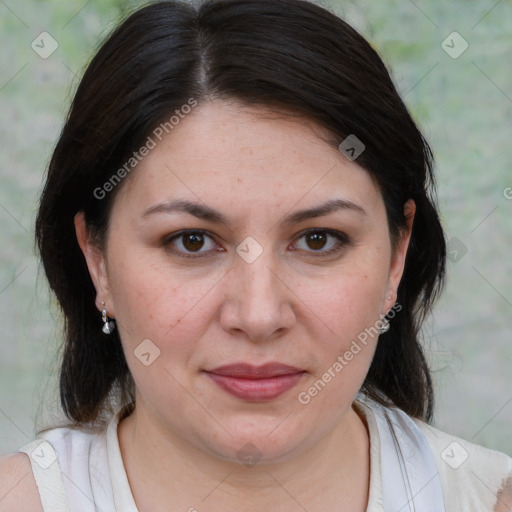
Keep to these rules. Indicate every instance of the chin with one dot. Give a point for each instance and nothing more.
(251, 444)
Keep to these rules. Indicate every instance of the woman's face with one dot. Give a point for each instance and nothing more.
(256, 280)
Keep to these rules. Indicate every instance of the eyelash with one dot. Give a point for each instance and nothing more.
(342, 238)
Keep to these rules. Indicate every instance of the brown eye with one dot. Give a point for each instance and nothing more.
(193, 242)
(316, 240)
(322, 241)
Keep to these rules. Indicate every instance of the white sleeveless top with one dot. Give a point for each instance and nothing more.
(414, 468)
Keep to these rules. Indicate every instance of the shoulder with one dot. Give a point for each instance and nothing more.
(31, 480)
(473, 478)
(470, 474)
(18, 489)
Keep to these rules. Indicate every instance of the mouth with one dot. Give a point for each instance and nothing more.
(256, 383)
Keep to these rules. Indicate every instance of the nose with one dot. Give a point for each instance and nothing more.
(258, 303)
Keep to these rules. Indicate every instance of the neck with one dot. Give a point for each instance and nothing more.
(164, 469)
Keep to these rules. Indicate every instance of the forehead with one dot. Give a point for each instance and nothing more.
(224, 153)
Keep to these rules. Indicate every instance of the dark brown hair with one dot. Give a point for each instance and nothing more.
(289, 54)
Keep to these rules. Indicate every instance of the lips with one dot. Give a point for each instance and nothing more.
(256, 383)
(249, 371)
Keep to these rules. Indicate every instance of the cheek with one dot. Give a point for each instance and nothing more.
(350, 298)
(349, 308)
(154, 302)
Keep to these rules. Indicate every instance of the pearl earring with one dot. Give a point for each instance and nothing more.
(108, 326)
(385, 326)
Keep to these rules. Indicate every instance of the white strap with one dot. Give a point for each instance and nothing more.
(410, 478)
(123, 497)
(47, 474)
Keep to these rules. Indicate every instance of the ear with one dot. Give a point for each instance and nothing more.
(397, 265)
(95, 263)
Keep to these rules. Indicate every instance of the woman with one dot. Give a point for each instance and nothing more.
(238, 224)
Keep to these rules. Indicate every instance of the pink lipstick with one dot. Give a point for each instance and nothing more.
(256, 383)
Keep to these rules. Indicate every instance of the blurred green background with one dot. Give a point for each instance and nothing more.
(463, 104)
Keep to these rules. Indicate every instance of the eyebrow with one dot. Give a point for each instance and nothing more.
(209, 214)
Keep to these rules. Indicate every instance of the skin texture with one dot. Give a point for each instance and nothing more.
(290, 305)
(504, 502)
(18, 488)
